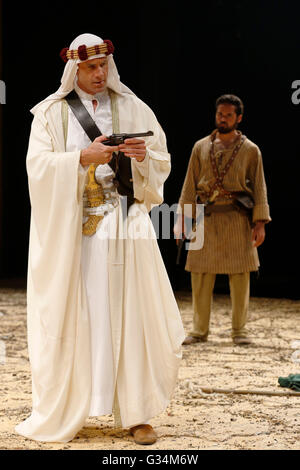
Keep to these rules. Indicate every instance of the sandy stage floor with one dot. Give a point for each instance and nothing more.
(193, 420)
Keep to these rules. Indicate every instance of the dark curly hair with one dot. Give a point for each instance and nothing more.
(231, 99)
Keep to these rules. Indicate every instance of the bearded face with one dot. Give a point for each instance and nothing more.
(226, 118)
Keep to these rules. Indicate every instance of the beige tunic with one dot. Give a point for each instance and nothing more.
(227, 236)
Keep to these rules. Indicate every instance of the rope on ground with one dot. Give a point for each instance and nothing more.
(250, 392)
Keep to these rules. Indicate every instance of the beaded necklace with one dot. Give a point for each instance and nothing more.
(217, 187)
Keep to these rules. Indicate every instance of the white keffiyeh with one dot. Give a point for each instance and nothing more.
(71, 67)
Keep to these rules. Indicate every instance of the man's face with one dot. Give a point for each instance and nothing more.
(226, 118)
(92, 75)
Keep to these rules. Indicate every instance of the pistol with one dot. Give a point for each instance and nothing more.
(117, 139)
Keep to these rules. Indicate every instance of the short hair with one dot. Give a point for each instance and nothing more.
(231, 99)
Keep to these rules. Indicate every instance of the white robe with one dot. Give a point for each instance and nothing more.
(146, 327)
(94, 263)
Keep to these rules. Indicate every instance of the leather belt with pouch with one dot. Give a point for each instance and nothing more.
(241, 202)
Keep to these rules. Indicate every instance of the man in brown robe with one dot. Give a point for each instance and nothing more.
(225, 173)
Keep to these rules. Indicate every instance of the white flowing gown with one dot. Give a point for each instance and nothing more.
(94, 260)
(84, 354)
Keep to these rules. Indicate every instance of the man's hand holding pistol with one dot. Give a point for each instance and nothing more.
(101, 150)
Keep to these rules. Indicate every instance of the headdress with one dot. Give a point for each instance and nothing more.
(85, 53)
(93, 47)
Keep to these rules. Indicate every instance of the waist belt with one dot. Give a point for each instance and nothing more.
(218, 208)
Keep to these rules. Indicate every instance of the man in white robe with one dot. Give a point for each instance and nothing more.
(104, 330)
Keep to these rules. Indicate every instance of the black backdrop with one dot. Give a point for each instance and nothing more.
(178, 59)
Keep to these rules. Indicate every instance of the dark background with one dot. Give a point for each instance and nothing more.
(178, 59)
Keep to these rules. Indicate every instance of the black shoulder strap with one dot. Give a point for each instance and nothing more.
(84, 118)
(87, 122)
(120, 164)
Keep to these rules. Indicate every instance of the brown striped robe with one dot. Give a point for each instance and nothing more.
(227, 236)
